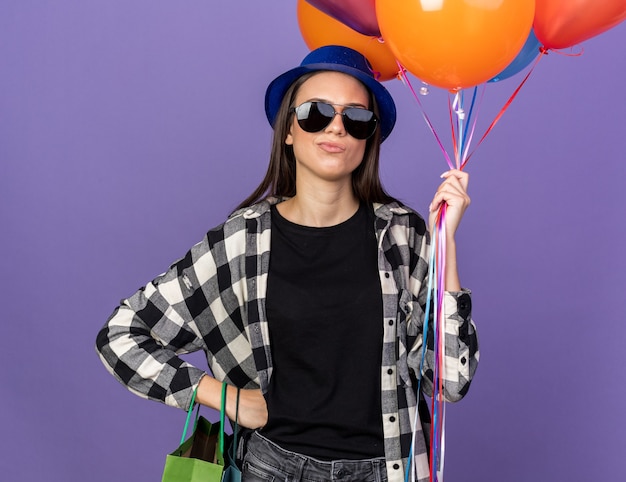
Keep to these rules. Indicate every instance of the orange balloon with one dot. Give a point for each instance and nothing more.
(455, 44)
(319, 29)
(563, 23)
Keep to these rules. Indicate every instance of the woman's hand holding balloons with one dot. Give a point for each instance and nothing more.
(452, 191)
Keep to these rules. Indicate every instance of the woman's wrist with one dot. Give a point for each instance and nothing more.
(209, 392)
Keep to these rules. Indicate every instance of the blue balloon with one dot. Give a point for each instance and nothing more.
(529, 51)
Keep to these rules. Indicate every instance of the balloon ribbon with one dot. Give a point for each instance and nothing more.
(463, 126)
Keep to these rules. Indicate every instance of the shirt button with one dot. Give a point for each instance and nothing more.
(390, 322)
(390, 371)
(463, 361)
(392, 419)
(386, 275)
(396, 466)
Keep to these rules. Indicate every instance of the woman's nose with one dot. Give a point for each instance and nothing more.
(336, 125)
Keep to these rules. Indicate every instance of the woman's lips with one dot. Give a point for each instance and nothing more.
(331, 147)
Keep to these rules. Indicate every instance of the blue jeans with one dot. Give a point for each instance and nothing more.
(265, 461)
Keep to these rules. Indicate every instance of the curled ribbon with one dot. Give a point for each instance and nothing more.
(463, 125)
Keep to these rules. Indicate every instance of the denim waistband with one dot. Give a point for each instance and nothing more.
(265, 460)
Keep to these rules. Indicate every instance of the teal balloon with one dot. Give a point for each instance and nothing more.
(529, 52)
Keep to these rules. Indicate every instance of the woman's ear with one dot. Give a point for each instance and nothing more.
(289, 138)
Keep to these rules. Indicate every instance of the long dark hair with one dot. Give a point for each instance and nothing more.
(280, 178)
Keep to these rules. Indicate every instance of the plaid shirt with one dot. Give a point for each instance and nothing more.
(213, 299)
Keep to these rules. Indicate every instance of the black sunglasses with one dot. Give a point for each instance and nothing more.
(315, 115)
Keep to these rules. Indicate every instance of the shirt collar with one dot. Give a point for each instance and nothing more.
(386, 211)
(261, 207)
(383, 211)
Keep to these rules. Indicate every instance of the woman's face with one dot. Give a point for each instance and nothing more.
(331, 154)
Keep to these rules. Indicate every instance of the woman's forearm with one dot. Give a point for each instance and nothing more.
(452, 282)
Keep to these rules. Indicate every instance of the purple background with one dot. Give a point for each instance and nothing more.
(129, 128)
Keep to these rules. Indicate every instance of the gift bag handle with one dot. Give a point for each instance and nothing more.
(222, 418)
(222, 421)
(233, 447)
(191, 404)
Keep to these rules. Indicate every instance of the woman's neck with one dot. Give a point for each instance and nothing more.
(320, 208)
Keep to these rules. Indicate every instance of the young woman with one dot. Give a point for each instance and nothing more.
(310, 298)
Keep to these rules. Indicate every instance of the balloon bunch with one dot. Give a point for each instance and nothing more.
(454, 45)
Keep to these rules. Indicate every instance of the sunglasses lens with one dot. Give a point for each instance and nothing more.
(359, 123)
(315, 116)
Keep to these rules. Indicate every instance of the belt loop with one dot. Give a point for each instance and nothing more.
(301, 465)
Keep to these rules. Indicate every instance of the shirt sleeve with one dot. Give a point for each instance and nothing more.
(179, 312)
(461, 342)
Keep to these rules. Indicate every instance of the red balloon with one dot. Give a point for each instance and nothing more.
(359, 15)
(563, 23)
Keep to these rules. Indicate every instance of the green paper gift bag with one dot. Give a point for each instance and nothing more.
(200, 458)
(193, 460)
